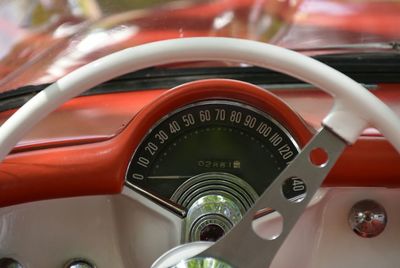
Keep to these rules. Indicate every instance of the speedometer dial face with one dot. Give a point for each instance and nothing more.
(211, 136)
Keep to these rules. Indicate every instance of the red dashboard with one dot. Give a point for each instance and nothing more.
(84, 147)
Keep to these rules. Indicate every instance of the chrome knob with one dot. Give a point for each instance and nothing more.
(211, 216)
(79, 263)
(202, 262)
(182, 257)
(367, 218)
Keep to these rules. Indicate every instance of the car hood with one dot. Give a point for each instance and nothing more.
(42, 41)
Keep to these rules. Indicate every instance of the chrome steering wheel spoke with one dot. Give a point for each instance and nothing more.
(242, 246)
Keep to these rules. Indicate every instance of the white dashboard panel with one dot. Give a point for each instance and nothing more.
(49, 233)
(128, 230)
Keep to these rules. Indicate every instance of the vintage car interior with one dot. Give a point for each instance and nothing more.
(229, 133)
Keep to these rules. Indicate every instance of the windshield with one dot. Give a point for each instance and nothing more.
(42, 40)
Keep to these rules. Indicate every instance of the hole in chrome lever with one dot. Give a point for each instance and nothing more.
(268, 224)
(319, 157)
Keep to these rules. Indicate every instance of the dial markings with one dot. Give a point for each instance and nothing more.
(211, 136)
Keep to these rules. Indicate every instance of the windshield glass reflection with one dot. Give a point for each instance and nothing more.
(42, 40)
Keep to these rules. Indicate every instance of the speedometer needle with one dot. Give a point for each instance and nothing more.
(177, 177)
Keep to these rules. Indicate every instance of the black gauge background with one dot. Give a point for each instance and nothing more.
(211, 136)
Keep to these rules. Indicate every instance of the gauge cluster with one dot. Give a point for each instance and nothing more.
(209, 151)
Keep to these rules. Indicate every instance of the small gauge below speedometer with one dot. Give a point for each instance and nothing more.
(211, 136)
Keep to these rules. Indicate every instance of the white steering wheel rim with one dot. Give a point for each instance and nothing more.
(355, 107)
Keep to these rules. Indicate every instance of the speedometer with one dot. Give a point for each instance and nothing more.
(220, 136)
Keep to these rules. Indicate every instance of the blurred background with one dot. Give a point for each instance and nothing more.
(42, 40)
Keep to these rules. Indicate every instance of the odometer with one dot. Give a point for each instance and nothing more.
(211, 136)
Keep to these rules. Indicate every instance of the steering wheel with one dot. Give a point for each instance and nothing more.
(354, 109)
